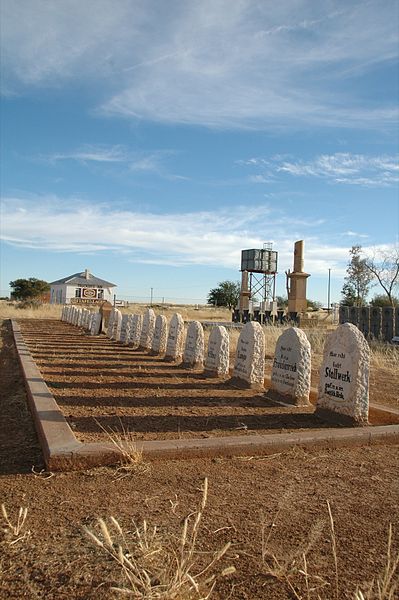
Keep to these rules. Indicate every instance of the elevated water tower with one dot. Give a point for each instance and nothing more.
(258, 278)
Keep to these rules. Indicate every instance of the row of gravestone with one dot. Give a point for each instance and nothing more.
(343, 377)
(380, 323)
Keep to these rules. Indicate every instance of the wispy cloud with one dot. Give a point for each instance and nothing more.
(140, 162)
(192, 238)
(344, 168)
(248, 64)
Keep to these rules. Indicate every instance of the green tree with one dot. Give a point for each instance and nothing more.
(384, 300)
(28, 289)
(227, 293)
(383, 266)
(314, 305)
(358, 279)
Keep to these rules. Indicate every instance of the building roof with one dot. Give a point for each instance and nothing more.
(85, 278)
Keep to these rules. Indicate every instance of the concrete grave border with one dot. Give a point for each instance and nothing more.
(63, 452)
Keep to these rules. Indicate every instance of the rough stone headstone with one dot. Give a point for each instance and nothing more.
(344, 376)
(80, 317)
(135, 330)
(364, 320)
(96, 324)
(174, 344)
(110, 324)
(90, 320)
(117, 325)
(160, 335)
(124, 328)
(375, 322)
(147, 330)
(249, 367)
(387, 323)
(343, 314)
(193, 355)
(292, 366)
(354, 315)
(217, 355)
(75, 315)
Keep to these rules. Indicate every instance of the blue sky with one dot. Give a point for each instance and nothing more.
(152, 141)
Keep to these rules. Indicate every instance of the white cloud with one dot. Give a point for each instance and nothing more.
(193, 238)
(353, 169)
(216, 63)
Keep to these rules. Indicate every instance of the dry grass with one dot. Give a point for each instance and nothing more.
(157, 567)
(131, 457)
(385, 585)
(12, 531)
(292, 567)
(11, 310)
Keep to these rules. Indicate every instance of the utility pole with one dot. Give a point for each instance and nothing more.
(152, 289)
(329, 288)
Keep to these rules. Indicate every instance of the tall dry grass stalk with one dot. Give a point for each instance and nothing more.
(12, 531)
(131, 457)
(386, 585)
(157, 567)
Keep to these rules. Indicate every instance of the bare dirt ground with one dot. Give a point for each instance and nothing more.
(280, 499)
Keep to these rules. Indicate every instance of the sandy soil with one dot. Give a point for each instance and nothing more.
(284, 495)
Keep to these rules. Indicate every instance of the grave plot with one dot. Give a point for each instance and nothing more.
(101, 385)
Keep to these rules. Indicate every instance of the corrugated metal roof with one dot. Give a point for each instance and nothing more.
(81, 279)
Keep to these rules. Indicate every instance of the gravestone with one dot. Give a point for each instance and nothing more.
(174, 344)
(147, 330)
(193, 354)
(344, 377)
(124, 328)
(117, 325)
(249, 367)
(354, 315)
(343, 314)
(217, 356)
(90, 320)
(74, 315)
(375, 322)
(80, 317)
(160, 335)
(364, 320)
(291, 367)
(135, 330)
(387, 323)
(110, 323)
(96, 324)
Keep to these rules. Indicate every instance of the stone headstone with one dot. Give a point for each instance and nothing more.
(354, 315)
(96, 324)
(80, 317)
(249, 367)
(124, 328)
(217, 355)
(135, 330)
(343, 314)
(364, 320)
(75, 316)
(90, 320)
(344, 376)
(117, 325)
(292, 366)
(110, 323)
(174, 344)
(387, 323)
(160, 335)
(147, 330)
(375, 322)
(193, 355)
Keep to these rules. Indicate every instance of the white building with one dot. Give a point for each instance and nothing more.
(81, 288)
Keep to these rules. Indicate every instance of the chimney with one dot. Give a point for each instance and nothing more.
(87, 274)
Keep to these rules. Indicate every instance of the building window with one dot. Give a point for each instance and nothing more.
(78, 292)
